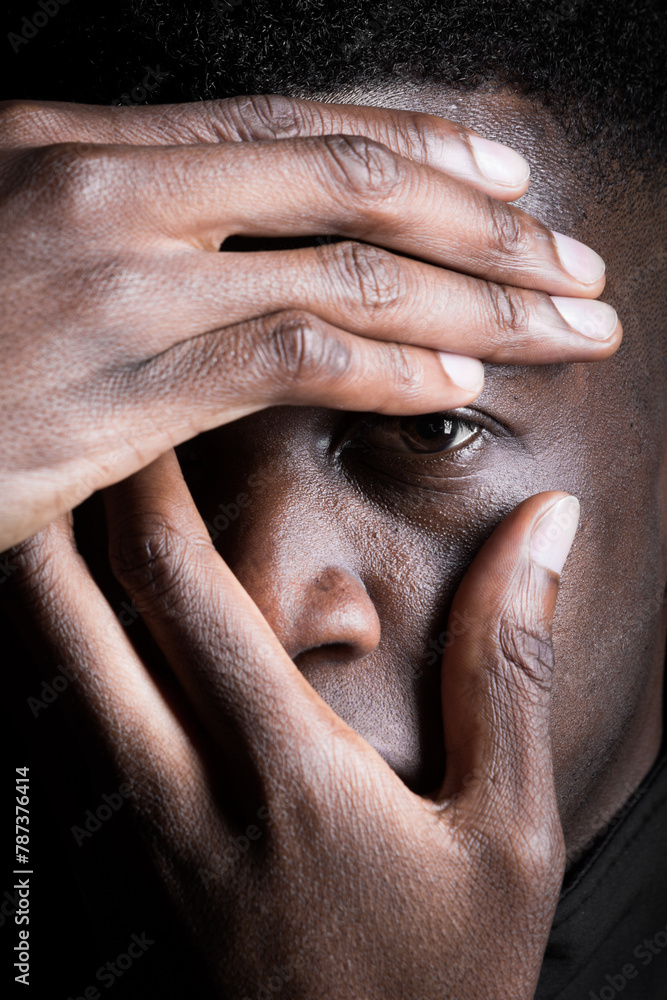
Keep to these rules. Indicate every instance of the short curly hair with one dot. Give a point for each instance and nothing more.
(598, 65)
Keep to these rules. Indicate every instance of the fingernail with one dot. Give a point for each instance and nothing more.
(594, 319)
(579, 260)
(499, 163)
(554, 533)
(467, 373)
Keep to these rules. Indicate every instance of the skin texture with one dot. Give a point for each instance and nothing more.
(352, 555)
(267, 818)
(129, 306)
(335, 546)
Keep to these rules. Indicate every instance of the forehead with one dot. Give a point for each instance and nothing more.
(624, 223)
(568, 189)
(556, 194)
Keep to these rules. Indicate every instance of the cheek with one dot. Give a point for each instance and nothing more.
(608, 629)
(421, 549)
(413, 552)
(410, 548)
(608, 622)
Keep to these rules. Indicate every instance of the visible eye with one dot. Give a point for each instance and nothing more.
(423, 435)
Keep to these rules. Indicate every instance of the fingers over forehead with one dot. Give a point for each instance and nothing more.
(424, 138)
(198, 196)
(370, 291)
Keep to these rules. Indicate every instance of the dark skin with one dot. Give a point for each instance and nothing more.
(353, 553)
(130, 307)
(306, 546)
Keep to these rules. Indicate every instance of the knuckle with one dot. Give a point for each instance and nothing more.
(114, 277)
(529, 652)
(33, 570)
(300, 350)
(148, 560)
(73, 176)
(407, 372)
(261, 116)
(506, 235)
(372, 276)
(364, 167)
(507, 308)
(420, 136)
(523, 862)
(416, 136)
(537, 856)
(32, 563)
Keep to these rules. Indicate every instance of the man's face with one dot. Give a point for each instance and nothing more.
(352, 532)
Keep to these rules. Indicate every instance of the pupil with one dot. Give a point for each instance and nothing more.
(433, 425)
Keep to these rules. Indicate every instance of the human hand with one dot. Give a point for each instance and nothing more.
(308, 840)
(125, 332)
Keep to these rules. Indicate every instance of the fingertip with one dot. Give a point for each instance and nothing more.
(490, 166)
(463, 372)
(581, 262)
(553, 534)
(500, 164)
(595, 320)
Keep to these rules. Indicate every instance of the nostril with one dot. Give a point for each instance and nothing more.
(333, 620)
(330, 653)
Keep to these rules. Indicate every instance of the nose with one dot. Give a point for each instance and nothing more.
(332, 616)
(316, 604)
(294, 560)
(334, 576)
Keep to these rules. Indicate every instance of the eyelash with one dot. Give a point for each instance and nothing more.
(474, 419)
